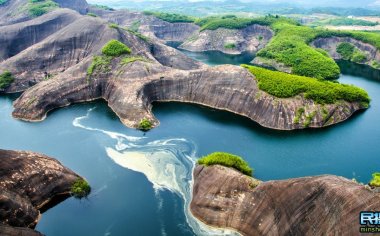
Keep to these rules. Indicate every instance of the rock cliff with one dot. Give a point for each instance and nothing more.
(29, 182)
(132, 88)
(331, 44)
(15, 11)
(321, 205)
(230, 41)
(149, 26)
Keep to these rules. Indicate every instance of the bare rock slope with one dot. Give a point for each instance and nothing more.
(330, 44)
(52, 69)
(28, 182)
(322, 205)
(230, 41)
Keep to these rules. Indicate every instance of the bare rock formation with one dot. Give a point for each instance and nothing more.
(331, 44)
(29, 182)
(321, 205)
(15, 11)
(230, 41)
(44, 47)
(52, 69)
(130, 90)
(149, 26)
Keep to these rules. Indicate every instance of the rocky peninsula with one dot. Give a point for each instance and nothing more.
(30, 183)
(320, 205)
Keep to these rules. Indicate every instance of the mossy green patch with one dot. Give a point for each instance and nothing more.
(115, 48)
(6, 79)
(40, 7)
(285, 85)
(145, 124)
(375, 181)
(80, 188)
(227, 160)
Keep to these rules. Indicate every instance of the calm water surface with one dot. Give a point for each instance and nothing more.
(141, 182)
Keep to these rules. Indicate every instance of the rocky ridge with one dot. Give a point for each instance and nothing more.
(29, 182)
(321, 205)
(330, 45)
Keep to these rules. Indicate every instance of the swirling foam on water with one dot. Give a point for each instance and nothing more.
(168, 164)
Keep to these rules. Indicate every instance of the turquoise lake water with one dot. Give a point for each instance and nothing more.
(141, 181)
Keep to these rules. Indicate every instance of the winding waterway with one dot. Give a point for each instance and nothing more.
(141, 181)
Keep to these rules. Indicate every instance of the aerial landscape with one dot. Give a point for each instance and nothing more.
(225, 117)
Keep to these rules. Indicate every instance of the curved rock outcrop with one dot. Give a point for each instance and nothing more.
(28, 182)
(131, 89)
(63, 39)
(330, 45)
(230, 41)
(149, 26)
(321, 205)
(15, 11)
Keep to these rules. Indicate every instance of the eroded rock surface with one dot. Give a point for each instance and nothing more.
(331, 44)
(230, 41)
(321, 205)
(131, 89)
(28, 182)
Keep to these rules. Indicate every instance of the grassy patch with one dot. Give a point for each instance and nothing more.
(375, 181)
(344, 21)
(145, 124)
(285, 85)
(113, 26)
(127, 60)
(309, 119)
(291, 47)
(115, 48)
(99, 63)
(299, 114)
(92, 14)
(171, 17)
(40, 7)
(228, 160)
(233, 22)
(230, 46)
(346, 50)
(6, 79)
(80, 188)
(102, 7)
(375, 64)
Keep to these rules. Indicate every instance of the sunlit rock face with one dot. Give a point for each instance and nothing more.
(321, 205)
(29, 182)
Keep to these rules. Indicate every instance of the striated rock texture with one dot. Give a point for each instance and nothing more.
(331, 44)
(252, 38)
(321, 205)
(131, 89)
(28, 182)
(149, 26)
(44, 47)
(15, 11)
(52, 68)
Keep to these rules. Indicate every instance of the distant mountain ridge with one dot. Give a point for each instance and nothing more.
(207, 7)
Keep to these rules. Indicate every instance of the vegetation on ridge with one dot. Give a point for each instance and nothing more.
(227, 160)
(375, 181)
(171, 17)
(115, 48)
(285, 85)
(145, 124)
(6, 79)
(40, 7)
(80, 188)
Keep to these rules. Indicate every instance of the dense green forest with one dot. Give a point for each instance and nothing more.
(285, 85)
